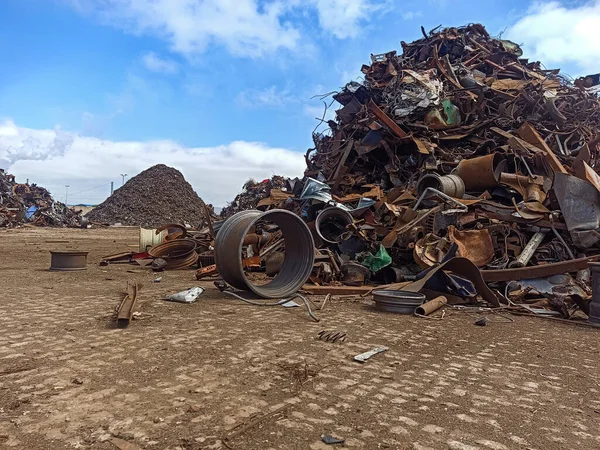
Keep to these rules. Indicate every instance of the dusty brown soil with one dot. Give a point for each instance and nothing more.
(184, 376)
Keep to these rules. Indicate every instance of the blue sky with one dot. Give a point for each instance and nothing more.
(220, 89)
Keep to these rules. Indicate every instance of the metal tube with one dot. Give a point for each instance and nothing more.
(529, 250)
(334, 217)
(299, 248)
(431, 306)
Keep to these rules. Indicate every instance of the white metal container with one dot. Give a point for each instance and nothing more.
(149, 238)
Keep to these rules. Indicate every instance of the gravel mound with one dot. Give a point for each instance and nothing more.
(155, 197)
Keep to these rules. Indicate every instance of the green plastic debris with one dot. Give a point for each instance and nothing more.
(448, 117)
(378, 261)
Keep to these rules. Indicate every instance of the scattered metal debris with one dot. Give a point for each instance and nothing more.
(187, 296)
(364, 356)
(330, 440)
(332, 336)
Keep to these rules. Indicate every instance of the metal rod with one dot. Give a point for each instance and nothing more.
(529, 250)
(461, 208)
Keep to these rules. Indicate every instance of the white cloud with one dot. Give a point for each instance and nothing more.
(53, 158)
(190, 26)
(252, 28)
(556, 33)
(410, 15)
(344, 18)
(155, 63)
(271, 97)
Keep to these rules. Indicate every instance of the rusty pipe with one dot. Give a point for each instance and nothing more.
(481, 173)
(256, 239)
(431, 306)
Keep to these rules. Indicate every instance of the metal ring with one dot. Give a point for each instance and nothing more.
(299, 252)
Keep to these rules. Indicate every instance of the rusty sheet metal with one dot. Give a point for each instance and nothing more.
(547, 270)
(207, 271)
(579, 202)
(529, 134)
(393, 126)
(275, 197)
(585, 172)
(475, 245)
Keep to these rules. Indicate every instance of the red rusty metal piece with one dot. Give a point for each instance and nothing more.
(393, 126)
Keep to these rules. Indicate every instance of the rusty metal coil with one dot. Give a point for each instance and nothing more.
(179, 254)
(299, 252)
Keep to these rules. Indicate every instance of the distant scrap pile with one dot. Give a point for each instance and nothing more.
(29, 203)
(157, 196)
(252, 194)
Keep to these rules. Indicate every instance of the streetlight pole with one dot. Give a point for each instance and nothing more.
(67, 194)
(123, 175)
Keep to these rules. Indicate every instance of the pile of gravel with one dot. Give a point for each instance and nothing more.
(157, 196)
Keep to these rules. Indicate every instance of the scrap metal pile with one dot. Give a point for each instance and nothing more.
(29, 203)
(458, 148)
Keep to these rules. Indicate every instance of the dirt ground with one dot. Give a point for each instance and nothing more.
(189, 376)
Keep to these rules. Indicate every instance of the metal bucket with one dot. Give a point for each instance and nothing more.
(149, 238)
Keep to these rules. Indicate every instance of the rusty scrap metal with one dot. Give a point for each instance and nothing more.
(431, 306)
(332, 336)
(30, 203)
(178, 254)
(547, 270)
(457, 107)
(127, 306)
